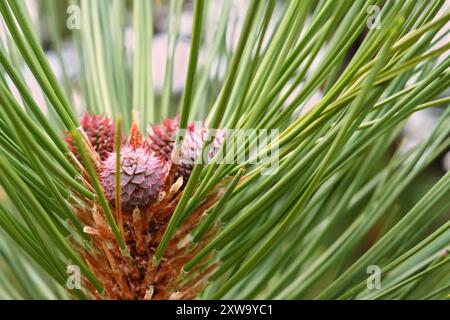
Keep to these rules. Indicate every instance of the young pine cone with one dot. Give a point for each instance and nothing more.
(141, 176)
(100, 132)
(161, 139)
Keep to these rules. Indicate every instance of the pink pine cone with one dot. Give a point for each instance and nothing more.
(192, 146)
(142, 176)
(161, 139)
(100, 132)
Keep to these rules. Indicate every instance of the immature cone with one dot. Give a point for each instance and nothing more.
(141, 176)
(100, 132)
(161, 139)
(194, 138)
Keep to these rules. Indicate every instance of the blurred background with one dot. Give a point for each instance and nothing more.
(50, 21)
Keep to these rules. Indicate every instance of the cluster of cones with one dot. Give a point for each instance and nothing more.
(150, 191)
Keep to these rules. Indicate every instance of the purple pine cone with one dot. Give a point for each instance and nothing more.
(142, 176)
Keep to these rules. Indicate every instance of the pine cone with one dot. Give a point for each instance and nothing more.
(141, 173)
(192, 147)
(100, 132)
(161, 139)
